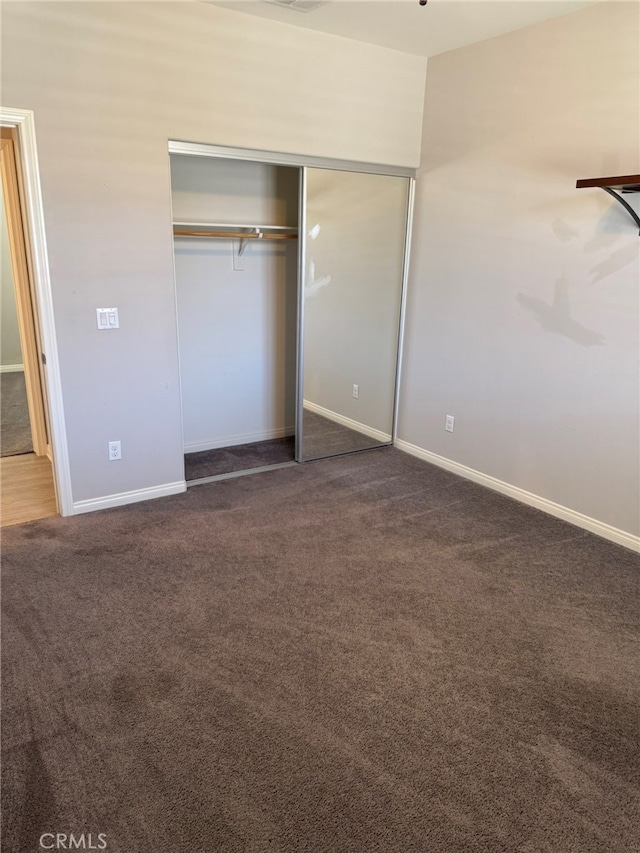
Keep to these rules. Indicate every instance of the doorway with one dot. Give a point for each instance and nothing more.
(27, 490)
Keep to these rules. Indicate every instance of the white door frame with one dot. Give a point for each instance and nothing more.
(23, 122)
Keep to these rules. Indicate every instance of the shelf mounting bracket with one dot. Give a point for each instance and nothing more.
(255, 232)
(614, 186)
(625, 204)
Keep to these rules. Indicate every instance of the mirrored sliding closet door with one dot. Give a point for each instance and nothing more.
(353, 233)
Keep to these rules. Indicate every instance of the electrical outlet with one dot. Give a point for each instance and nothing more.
(449, 422)
(115, 451)
(356, 391)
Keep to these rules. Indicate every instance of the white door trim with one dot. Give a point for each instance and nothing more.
(23, 121)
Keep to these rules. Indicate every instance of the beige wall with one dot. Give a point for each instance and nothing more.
(109, 84)
(523, 317)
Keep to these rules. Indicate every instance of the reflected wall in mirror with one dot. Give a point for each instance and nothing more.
(15, 429)
(355, 229)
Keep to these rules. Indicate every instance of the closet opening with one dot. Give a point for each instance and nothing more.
(236, 268)
(290, 278)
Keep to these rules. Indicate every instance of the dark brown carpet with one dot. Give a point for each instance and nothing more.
(361, 654)
(15, 430)
(241, 457)
(321, 437)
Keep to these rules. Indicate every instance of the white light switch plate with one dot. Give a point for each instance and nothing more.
(107, 318)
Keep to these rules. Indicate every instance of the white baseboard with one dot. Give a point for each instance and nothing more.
(123, 498)
(347, 422)
(11, 368)
(614, 534)
(234, 440)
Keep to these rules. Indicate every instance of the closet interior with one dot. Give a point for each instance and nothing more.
(236, 267)
(289, 282)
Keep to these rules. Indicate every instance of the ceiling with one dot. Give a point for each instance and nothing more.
(406, 26)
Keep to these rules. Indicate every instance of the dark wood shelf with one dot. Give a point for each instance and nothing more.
(622, 183)
(615, 186)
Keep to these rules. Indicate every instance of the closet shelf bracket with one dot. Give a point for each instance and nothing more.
(244, 241)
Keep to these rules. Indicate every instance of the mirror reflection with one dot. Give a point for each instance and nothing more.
(15, 426)
(355, 241)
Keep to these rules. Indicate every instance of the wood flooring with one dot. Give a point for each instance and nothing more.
(26, 489)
